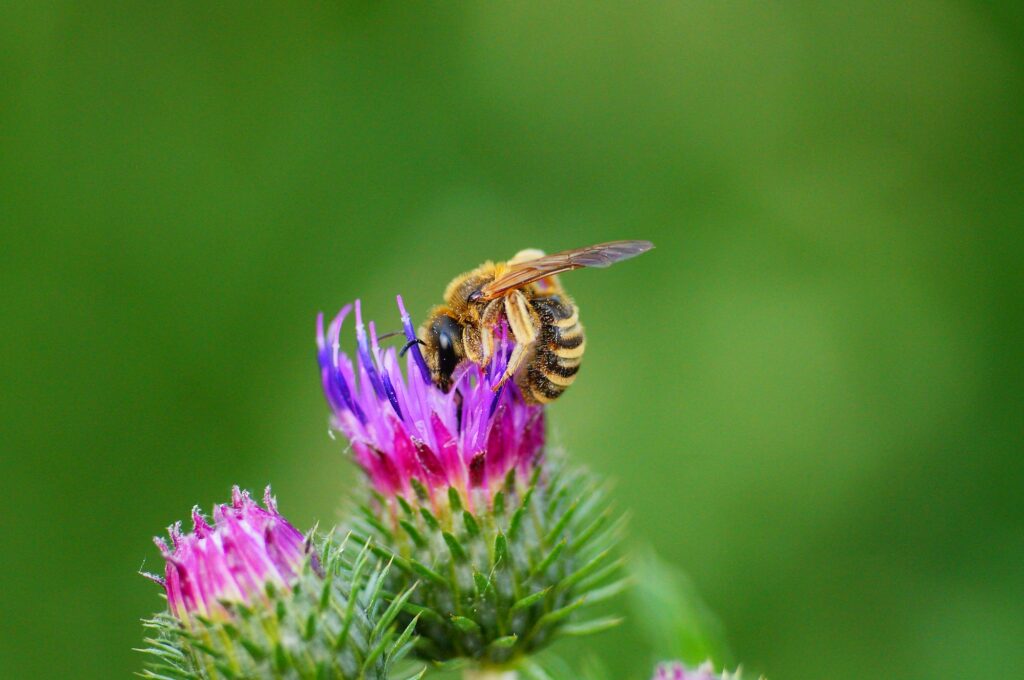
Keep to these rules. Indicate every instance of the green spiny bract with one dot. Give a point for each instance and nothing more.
(500, 576)
(333, 623)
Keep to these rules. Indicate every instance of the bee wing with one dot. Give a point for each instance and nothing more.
(600, 255)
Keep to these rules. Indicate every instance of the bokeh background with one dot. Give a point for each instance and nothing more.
(810, 392)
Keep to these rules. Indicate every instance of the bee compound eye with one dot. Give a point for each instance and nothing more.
(448, 332)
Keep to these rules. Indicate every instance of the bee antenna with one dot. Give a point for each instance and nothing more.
(391, 334)
(409, 344)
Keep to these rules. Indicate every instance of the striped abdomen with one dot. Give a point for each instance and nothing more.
(557, 352)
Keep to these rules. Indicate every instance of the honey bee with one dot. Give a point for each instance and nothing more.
(526, 293)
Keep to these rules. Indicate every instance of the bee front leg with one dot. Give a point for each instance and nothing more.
(489, 320)
(472, 343)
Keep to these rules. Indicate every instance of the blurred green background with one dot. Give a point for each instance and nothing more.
(810, 392)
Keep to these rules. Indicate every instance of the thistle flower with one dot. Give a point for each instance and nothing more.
(406, 433)
(508, 548)
(677, 671)
(231, 561)
(249, 597)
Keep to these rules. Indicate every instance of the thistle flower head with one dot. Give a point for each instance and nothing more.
(406, 432)
(233, 560)
(330, 621)
(677, 671)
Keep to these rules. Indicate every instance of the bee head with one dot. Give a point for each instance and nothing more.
(444, 349)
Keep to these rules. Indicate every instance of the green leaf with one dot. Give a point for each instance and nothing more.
(559, 614)
(429, 518)
(466, 625)
(413, 532)
(281, 661)
(406, 508)
(407, 634)
(421, 491)
(484, 587)
(549, 560)
(609, 591)
(590, 627)
(585, 571)
(257, 652)
(501, 551)
(454, 499)
(371, 517)
(472, 528)
(562, 523)
(454, 547)
(426, 572)
(516, 522)
(505, 642)
(530, 600)
(392, 611)
(676, 621)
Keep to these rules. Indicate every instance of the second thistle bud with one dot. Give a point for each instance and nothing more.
(249, 597)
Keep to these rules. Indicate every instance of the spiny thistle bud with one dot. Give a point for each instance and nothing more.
(507, 548)
(250, 598)
(677, 671)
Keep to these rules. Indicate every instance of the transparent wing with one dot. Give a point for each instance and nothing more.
(600, 255)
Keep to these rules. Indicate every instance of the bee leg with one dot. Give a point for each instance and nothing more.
(524, 322)
(488, 322)
(473, 343)
(515, 360)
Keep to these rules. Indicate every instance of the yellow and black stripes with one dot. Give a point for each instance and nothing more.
(557, 352)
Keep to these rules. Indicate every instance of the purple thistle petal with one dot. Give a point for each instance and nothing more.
(365, 360)
(199, 525)
(389, 389)
(410, 335)
(495, 400)
(335, 381)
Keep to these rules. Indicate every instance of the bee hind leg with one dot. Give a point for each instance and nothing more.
(524, 323)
